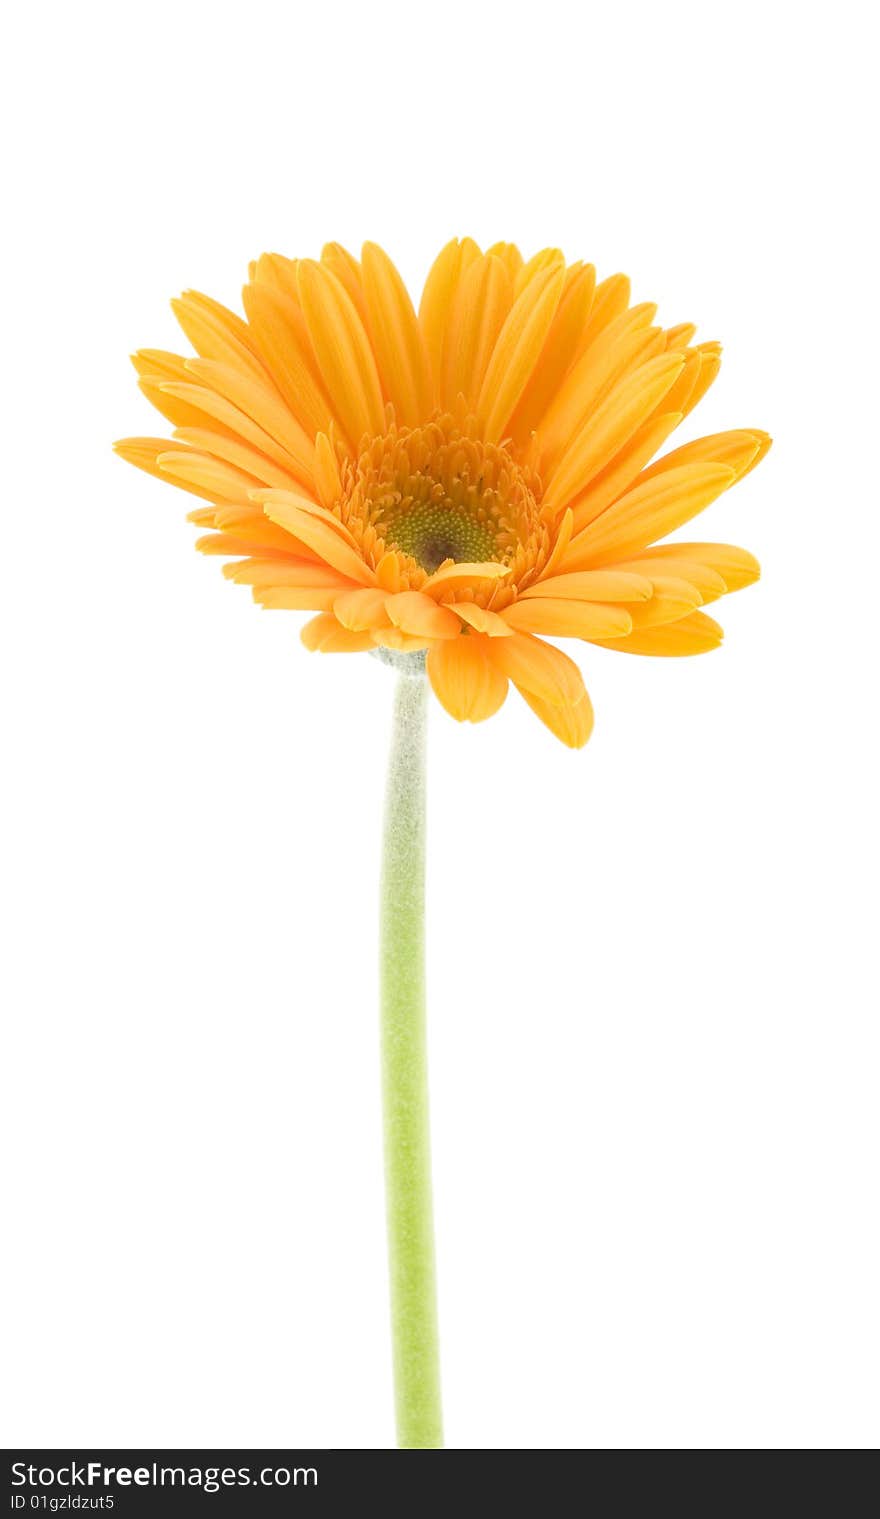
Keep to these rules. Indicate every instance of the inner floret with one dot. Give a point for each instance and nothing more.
(438, 493)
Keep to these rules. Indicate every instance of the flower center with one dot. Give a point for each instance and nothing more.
(436, 528)
(435, 494)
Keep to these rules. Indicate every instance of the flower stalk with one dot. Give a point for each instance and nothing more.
(405, 1073)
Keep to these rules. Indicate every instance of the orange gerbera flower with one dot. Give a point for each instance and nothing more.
(461, 481)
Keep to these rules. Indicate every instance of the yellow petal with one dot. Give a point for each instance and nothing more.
(397, 339)
(464, 680)
(568, 619)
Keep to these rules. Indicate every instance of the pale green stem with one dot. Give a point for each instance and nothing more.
(405, 1078)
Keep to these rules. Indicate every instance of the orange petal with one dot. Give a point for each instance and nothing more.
(280, 329)
(216, 333)
(214, 410)
(403, 643)
(481, 305)
(343, 351)
(572, 723)
(592, 585)
(465, 681)
(623, 469)
(715, 568)
(609, 302)
(480, 619)
(710, 364)
(319, 536)
(538, 668)
(397, 338)
(144, 453)
(240, 455)
(509, 255)
(517, 348)
(295, 598)
(348, 271)
(568, 619)
(460, 576)
(324, 634)
(673, 599)
(649, 511)
(361, 611)
(261, 402)
(588, 381)
(327, 481)
(180, 412)
(421, 617)
(623, 411)
(438, 300)
(694, 634)
(274, 570)
(738, 450)
(558, 352)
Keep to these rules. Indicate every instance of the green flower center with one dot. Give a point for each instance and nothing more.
(436, 494)
(433, 531)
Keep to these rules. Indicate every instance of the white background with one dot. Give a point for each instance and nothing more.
(653, 975)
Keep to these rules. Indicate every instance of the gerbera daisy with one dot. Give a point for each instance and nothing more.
(467, 481)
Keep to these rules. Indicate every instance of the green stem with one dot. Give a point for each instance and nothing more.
(405, 1078)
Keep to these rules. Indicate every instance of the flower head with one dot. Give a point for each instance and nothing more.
(468, 480)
